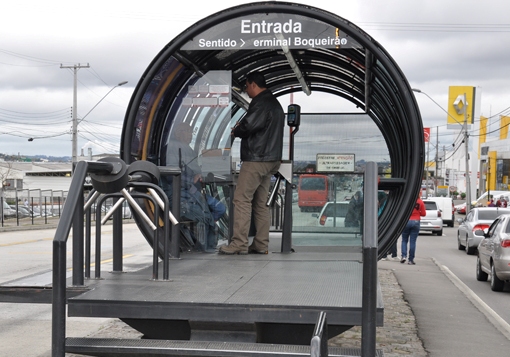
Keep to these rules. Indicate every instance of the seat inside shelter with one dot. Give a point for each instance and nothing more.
(356, 107)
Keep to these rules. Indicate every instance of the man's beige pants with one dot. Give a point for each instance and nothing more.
(251, 195)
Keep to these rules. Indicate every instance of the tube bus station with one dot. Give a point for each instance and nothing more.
(319, 277)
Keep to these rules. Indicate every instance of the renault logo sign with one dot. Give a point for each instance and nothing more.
(459, 105)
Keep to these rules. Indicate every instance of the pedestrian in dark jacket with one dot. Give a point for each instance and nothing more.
(353, 216)
(261, 133)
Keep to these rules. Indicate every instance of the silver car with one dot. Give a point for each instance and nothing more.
(470, 231)
(432, 222)
(494, 254)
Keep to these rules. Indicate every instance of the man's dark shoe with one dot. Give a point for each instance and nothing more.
(256, 251)
(411, 262)
(403, 260)
(252, 249)
(231, 250)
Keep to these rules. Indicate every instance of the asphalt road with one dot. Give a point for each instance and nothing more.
(445, 253)
(25, 329)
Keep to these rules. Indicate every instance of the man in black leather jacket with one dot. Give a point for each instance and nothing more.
(261, 133)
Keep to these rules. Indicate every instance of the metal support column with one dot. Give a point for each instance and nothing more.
(370, 245)
(117, 237)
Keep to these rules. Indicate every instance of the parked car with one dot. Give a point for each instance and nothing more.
(23, 211)
(333, 214)
(7, 211)
(41, 212)
(494, 254)
(461, 208)
(447, 209)
(470, 231)
(432, 222)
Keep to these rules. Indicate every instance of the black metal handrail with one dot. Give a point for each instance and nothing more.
(73, 217)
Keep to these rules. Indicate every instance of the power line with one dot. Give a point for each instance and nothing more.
(435, 27)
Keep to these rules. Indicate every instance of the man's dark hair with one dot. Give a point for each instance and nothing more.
(258, 78)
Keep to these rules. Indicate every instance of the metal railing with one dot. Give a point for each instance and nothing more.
(73, 217)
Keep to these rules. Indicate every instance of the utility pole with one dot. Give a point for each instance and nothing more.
(468, 178)
(427, 176)
(437, 154)
(75, 69)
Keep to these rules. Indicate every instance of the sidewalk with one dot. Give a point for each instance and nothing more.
(449, 323)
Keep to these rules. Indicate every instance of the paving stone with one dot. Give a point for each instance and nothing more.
(399, 335)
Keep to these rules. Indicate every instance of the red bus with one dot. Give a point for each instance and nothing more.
(314, 191)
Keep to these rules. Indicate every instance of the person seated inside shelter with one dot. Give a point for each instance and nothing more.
(196, 206)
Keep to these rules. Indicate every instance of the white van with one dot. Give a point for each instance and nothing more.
(445, 205)
(482, 201)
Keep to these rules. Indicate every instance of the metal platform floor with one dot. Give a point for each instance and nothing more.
(241, 290)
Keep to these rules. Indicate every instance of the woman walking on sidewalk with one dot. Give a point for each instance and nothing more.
(411, 231)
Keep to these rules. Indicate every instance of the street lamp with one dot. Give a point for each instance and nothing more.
(76, 122)
(464, 129)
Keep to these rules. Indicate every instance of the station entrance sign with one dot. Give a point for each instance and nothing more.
(271, 31)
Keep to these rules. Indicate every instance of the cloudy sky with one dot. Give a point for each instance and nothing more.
(436, 43)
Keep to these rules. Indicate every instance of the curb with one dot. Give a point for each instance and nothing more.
(500, 324)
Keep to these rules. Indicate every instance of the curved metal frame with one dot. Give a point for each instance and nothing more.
(367, 77)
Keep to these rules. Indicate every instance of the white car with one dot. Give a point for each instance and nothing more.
(333, 214)
(445, 205)
(432, 222)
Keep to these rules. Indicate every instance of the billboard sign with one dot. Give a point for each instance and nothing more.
(461, 106)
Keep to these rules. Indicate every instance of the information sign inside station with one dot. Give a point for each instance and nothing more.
(271, 31)
(335, 162)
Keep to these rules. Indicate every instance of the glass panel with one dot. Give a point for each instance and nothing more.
(430, 206)
(199, 123)
(327, 209)
(328, 206)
